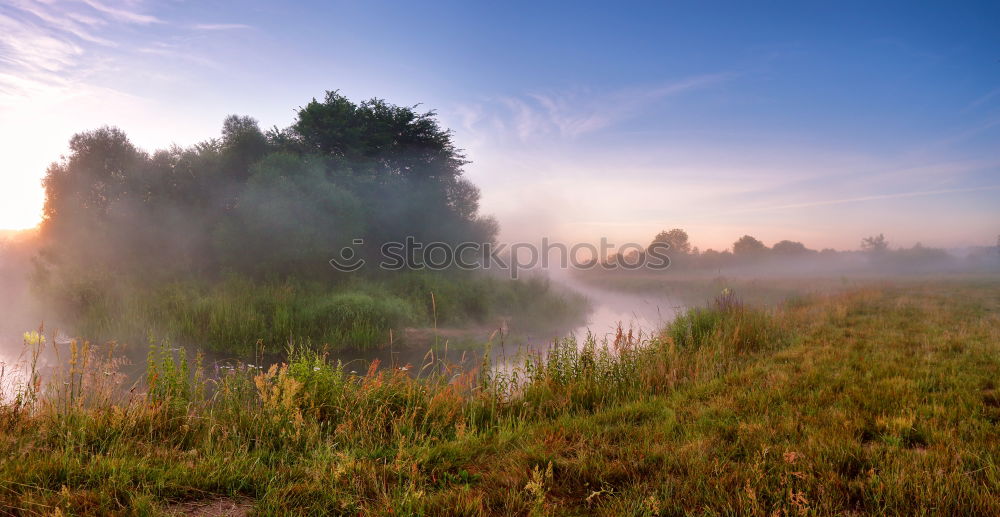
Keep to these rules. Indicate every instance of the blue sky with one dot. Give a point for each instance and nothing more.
(815, 122)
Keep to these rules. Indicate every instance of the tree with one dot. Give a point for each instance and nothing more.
(390, 140)
(677, 239)
(875, 244)
(250, 202)
(920, 257)
(85, 194)
(242, 145)
(789, 248)
(748, 247)
(95, 176)
(712, 259)
(292, 218)
(400, 162)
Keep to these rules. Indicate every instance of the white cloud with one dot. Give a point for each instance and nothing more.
(220, 26)
(170, 52)
(47, 48)
(122, 15)
(63, 20)
(27, 46)
(576, 113)
(861, 199)
(573, 118)
(985, 98)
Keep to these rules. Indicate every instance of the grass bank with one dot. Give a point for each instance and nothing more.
(879, 400)
(764, 288)
(238, 315)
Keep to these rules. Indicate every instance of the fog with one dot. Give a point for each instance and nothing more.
(244, 245)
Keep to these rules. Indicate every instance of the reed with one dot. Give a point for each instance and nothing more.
(233, 314)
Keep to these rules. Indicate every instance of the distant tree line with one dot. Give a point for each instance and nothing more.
(749, 251)
(275, 202)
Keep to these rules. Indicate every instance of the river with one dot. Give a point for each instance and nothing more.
(506, 345)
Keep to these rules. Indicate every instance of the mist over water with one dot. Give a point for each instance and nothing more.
(226, 248)
(608, 312)
(639, 302)
(611, 310)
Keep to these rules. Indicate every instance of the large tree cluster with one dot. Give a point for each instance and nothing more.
(280, 202)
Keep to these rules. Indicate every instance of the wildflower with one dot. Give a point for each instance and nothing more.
(34, 338)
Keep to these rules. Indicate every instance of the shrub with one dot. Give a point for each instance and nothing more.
(726, 322)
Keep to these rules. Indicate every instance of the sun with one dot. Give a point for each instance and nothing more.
(23, 166)
(20, 202)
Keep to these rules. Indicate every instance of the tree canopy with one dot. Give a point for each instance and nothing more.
(875, 244)
(677, 239)
(748, 246)
(789, 248)
(260, 202)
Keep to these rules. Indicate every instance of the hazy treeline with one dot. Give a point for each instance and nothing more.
(753, 255)
(281, 201)
(229, 241)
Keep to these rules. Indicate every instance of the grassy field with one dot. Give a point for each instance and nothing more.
(876, 400)
(700, 288)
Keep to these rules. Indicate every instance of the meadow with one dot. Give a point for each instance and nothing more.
(880, 398)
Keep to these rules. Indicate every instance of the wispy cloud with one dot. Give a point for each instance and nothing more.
(121, 14)
(576, 113)
(26, 47)
(220, 26)
(66, 21)
(988, 96)
(54, 49)
(48, 48)
(168, 51)
(860, 199)
(32, 61)
(573, 118)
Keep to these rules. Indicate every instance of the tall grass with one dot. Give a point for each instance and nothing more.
(234, 314)
(731, 409)
(726, 320)
(293, 411)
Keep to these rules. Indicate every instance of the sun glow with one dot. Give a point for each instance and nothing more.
(20, 202)
(22, 168)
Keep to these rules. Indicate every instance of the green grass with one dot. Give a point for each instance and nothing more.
(239, 316)
(234, 314)
(694, 288)
(881, 400)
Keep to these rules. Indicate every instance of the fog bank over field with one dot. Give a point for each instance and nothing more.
(229, 244)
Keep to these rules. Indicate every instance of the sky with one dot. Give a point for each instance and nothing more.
(821, 122)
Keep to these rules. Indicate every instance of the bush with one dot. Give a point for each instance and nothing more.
(356, 319)
(728, 323)
(236, 314)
